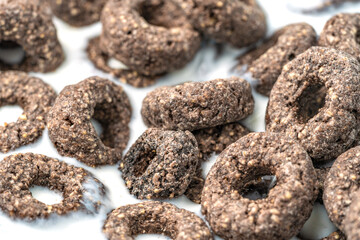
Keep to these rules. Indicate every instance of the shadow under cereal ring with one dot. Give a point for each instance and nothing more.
(19, 172)
(316, 101)
(288, 204)
(151, 37)
(29, 25)
(71, 130)
(35, 97)
(153, 217)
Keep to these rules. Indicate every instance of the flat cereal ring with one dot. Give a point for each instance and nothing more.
(35, 97)
(28, 23)
(197, 105)
(153, 217)
(71, 130)
(266, 61)
(342, 32)
(352, 223)
(316, 100)
(152, 37)
(340, 184)
(239, 23)
(78, 13)
(19, 172)
(288, 204)
(160, 164)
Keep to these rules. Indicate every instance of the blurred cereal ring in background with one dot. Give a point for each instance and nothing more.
(27, 28)
(239, 23)
(78, 13)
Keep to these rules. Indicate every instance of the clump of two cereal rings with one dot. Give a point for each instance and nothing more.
(71, 130)
(28, 23)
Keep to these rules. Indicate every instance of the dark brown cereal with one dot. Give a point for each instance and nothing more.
(19, 172)
(239, 23)
(35, 97)
(196, 186)
(150, 37)
(78, 13)
(28, 24)
(100, 59)
(321, 174)
(316, 100)
(352, 222)
(71, 130)
(343, 33)
(341, 183)
(152, 217)
(197, 105)
(160, 164)
(288, 204)
(266, 61)
(335, 236)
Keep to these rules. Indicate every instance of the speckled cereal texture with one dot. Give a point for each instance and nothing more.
(342, 32)
(71, 130)
(341, 183)
(152, 217)
(289, 203)
(321, 174)
(160, 164)
(151, 37)
(239, 23)
(77, 13)
(336, 236)
(266, 61)
(352, 221)
(35, 97)
(19, 172)
(316, 101)
(28, 23)
(196, 105)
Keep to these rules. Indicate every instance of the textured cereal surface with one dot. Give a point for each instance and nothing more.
(352, 221)
(71, 130)
(289, 203)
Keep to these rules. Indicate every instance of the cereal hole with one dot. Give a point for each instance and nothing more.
(259, 188)
(11, 53)
(98, 127)
(10, 113)
(45, 195)
(143, 161)
(357, 37)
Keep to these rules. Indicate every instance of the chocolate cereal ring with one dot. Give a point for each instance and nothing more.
(71, 130)
(78, 13)
(160, 164)
(342, 32)
(341, 183)
(352, 223)
(151, 37)
(316, 100)
(266, 61)
(197, 105)
(35, 97)
(19, 172)
(154, 217)
(28, 24)
(239, 23)
(288, 204)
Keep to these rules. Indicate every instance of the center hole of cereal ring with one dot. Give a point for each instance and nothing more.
(162, 13)
(10, 113)
(143, 161)
(311, 101)
(259, 188)
(11, 53)
(357, 36)
(45, 195)
(98, 127)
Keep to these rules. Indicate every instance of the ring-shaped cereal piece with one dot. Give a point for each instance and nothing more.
(342, 32)
(196, 105)
(78, 13)
(28, 23)
(239, 23)
(19, 172)
(160, 164)
(266, 61)
(152, 217)
(341, 183)
(316, 100)
(71, 130)
(151, 37)
(288, 204)
(352, 222)
(35, 97)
